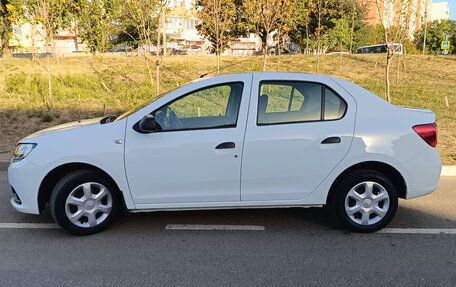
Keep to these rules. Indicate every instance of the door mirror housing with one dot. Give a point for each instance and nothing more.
(147, 125)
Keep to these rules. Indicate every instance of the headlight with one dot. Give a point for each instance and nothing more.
(22, 150)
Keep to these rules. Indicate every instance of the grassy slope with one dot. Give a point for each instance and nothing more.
(79, 92)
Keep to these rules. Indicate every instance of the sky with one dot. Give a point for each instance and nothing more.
(452, 5)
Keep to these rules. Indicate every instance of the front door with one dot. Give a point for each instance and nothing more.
(196, 155)
(298, 130)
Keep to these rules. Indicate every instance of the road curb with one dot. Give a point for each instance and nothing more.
(447, 170)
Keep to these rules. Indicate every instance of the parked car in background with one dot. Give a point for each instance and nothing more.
(234, 141)
(382, 48)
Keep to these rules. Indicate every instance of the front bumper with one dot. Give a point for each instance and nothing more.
(25, 178)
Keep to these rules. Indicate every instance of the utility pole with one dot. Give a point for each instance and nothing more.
(425, 31)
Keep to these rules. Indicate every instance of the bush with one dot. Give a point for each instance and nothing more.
(47, 117)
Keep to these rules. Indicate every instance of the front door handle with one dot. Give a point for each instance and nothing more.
(226, 145)
(331, 140)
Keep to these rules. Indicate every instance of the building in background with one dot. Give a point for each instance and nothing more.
(181, 34)
(28, 38)
(412, 13)
(180, 28)
(440, 11)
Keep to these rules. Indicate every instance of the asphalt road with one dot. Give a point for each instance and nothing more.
(297, 247)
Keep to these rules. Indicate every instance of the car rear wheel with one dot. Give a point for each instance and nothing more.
(84, 202)
(364, 201)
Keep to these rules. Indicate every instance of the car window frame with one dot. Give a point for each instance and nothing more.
(242, 83)
(322, 114)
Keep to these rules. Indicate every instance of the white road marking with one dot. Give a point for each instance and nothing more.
(213, 227)
(418, 230)
(236, 227)
(29, 225)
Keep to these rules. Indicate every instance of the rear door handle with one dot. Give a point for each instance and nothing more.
(226, 145)
(331, 140)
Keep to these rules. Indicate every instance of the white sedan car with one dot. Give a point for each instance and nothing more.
(234, 141)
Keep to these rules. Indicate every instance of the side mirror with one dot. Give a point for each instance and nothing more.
(148, 125)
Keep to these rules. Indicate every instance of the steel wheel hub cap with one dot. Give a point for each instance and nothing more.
(88, 205)
(367, 203)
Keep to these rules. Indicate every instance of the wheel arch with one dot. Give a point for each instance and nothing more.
(55, 175)
(392, 173)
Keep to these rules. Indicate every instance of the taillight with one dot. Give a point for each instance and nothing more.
(428, 132)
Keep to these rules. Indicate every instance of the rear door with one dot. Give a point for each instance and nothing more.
(298, 130)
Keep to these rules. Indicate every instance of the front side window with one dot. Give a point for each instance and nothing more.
(290, 102)
(213, 107)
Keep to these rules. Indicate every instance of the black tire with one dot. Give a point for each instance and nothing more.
(338, 196)
(63, 189)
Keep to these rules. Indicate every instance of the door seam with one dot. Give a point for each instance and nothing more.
(243, 138)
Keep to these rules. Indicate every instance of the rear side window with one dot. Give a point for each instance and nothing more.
(334, 106)
(290, 102)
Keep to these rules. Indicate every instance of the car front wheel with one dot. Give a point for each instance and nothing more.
(364, 201)
(83, 202)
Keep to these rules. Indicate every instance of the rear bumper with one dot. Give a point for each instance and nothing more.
(423, 173)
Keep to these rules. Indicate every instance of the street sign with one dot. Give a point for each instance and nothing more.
(445, 45)
(445, 52)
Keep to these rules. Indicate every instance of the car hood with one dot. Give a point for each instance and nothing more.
(63, 127)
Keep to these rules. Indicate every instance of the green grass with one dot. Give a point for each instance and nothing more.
(91, 85)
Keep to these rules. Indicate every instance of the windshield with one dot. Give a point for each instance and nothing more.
(137, 108)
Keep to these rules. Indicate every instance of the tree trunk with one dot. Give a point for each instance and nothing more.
(7, 53)
(51, 106)
(146, 58)
(352, 31)
(157, 65)
(54, 46)
(318, 42)
(404, 53)
(265, 51)
(264, 58)
(307, 39)
(387, 78)
(218, 60)
(340, 59)
(318, 51)
(280, 52)
(398, 68)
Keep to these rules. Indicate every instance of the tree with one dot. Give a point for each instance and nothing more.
(352, 29)
(436, 32)
(139, 19)
(392, 34)
(285, 23)
(319, 10)
(263, 17)
(94, 20)
(337, 37)
(5, 25)
(218, 24)
(48, 16)
(367, 35)
(301, 22)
